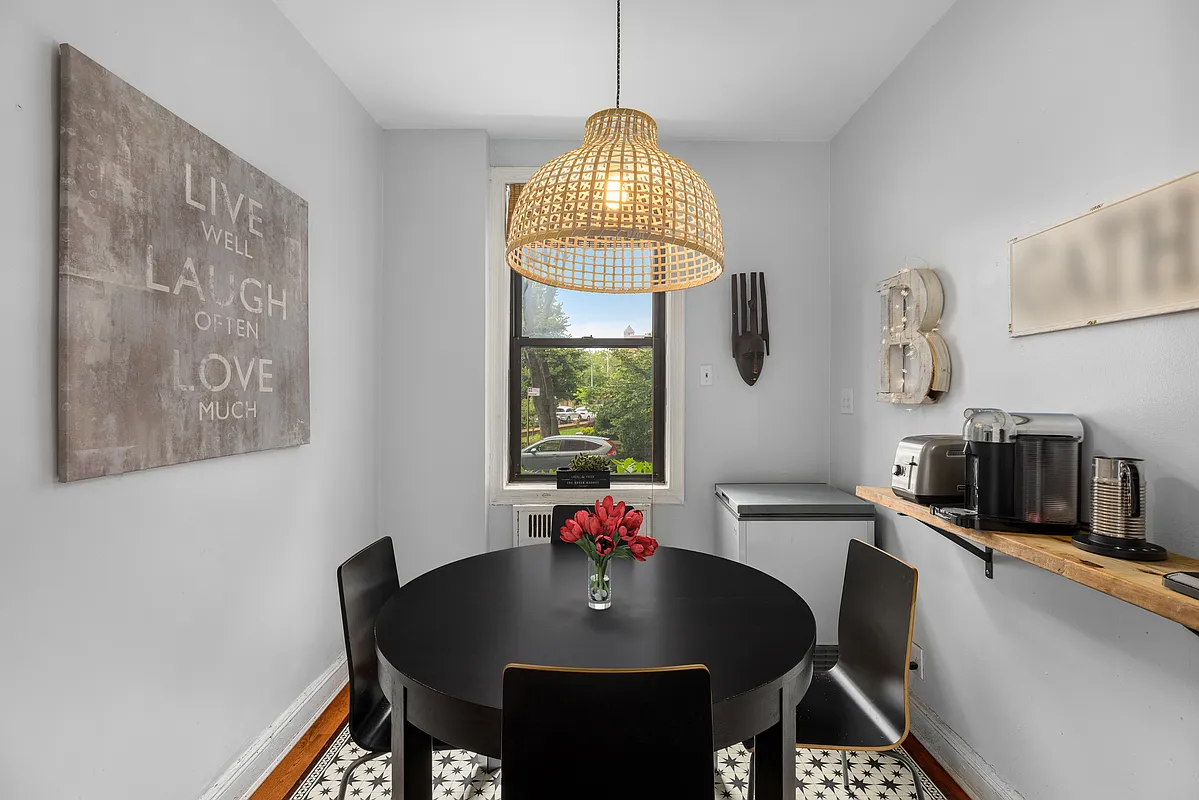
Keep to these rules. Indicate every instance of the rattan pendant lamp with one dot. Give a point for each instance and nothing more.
(617, 214)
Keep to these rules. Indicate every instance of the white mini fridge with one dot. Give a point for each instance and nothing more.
(798, 533)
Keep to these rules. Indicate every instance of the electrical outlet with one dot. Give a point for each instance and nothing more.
(705, 374)
(918, 661)
(847, 401)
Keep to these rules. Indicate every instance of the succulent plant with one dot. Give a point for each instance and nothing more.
(589, 463)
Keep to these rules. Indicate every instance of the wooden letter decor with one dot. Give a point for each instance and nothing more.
(183, 289)
(914, 360)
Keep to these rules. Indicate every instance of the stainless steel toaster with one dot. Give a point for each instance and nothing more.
(930, 469)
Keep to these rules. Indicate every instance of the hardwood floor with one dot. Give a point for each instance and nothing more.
(282, 782)
(933, 769)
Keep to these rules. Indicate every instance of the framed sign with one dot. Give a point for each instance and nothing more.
(183, 289)
(1133, 258)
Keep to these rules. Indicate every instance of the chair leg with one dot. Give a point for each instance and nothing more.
(907, 761)
(488, 763)
(845, 770)
(345, 778)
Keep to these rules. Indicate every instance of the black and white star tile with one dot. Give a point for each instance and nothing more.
(457, 775)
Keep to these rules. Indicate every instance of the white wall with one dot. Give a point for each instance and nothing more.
(432, 304)
(1007, 118)
(153, 624)
(774, 207)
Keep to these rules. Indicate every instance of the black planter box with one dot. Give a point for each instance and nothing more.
(569, 479)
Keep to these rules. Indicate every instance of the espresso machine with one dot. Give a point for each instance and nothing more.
(1022, 472)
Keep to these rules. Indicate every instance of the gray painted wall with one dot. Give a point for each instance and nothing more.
(774, 207)
(1007, 118)
(432, 304)
(153, 624)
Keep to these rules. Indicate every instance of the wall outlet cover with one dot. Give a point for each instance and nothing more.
(847, 401)
(918, 660)
(705, 374)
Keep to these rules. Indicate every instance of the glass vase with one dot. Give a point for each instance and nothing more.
(599, 584)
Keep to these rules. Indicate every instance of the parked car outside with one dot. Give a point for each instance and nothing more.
(567, 414)
(553, 452)
(585, 414)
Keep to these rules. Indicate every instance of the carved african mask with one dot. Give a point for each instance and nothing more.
(751, 336)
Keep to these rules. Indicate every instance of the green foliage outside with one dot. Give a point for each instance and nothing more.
(631, 466)
(627, 406)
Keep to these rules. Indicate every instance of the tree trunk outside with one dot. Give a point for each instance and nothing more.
(545, 404)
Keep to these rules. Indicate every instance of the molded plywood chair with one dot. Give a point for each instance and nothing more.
(861, 703)
(366, 581)
(604, 734)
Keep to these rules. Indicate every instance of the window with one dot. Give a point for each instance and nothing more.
(602, 352)
(573, 373)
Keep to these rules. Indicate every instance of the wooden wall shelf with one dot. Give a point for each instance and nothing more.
(1136, 582)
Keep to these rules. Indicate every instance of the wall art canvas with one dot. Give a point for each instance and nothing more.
(183, 289)
(1133, 258)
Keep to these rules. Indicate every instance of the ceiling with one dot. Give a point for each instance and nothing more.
(753, 70)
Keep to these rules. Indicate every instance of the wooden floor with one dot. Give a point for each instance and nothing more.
(282, 783)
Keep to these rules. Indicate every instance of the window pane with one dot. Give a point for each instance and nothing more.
(550, 312)
(609, 394)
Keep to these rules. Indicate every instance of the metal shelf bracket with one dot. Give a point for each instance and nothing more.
(985, 554)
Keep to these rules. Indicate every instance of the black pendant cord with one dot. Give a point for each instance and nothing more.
(618, 53)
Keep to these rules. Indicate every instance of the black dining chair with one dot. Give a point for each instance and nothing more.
(558, 518)
(861, 703)
(366, 581)
(601, 734)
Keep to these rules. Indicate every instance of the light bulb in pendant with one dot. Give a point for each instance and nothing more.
(613, 194)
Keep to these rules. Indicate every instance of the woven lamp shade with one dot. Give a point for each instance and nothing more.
(617, 215)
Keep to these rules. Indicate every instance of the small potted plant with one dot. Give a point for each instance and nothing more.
(613, 531)
(586, 472)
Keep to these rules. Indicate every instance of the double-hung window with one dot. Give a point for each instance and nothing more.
(583, 373)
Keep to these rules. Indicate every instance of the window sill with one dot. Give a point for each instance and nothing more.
(635, 494)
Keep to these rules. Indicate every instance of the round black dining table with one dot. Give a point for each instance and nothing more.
(444, 639)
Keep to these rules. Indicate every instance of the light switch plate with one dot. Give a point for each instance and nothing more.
(705, 374)
(847, 401)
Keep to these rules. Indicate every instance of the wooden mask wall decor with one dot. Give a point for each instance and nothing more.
(751, 333)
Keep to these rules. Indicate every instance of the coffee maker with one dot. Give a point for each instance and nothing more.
(1022, 472)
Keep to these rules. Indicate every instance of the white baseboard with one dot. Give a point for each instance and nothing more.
(264, 754)
(975, 776)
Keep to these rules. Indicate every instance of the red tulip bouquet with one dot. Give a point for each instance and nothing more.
(612, 531)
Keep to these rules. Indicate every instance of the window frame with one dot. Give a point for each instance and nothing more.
(656, 343)
(502, 488)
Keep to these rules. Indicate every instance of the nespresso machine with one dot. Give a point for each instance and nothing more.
(1022, 472)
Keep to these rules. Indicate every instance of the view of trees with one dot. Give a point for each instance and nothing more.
(616, 384)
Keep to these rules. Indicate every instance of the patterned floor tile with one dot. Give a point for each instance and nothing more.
(458, 776)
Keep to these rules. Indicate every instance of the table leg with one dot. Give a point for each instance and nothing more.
(411, 754)
(774, 753)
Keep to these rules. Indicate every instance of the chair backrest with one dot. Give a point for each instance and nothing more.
(559, 517)
(606, 734)
(366, 581)
(874, 631)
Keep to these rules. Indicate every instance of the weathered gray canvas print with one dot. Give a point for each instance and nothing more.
(183, 289)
